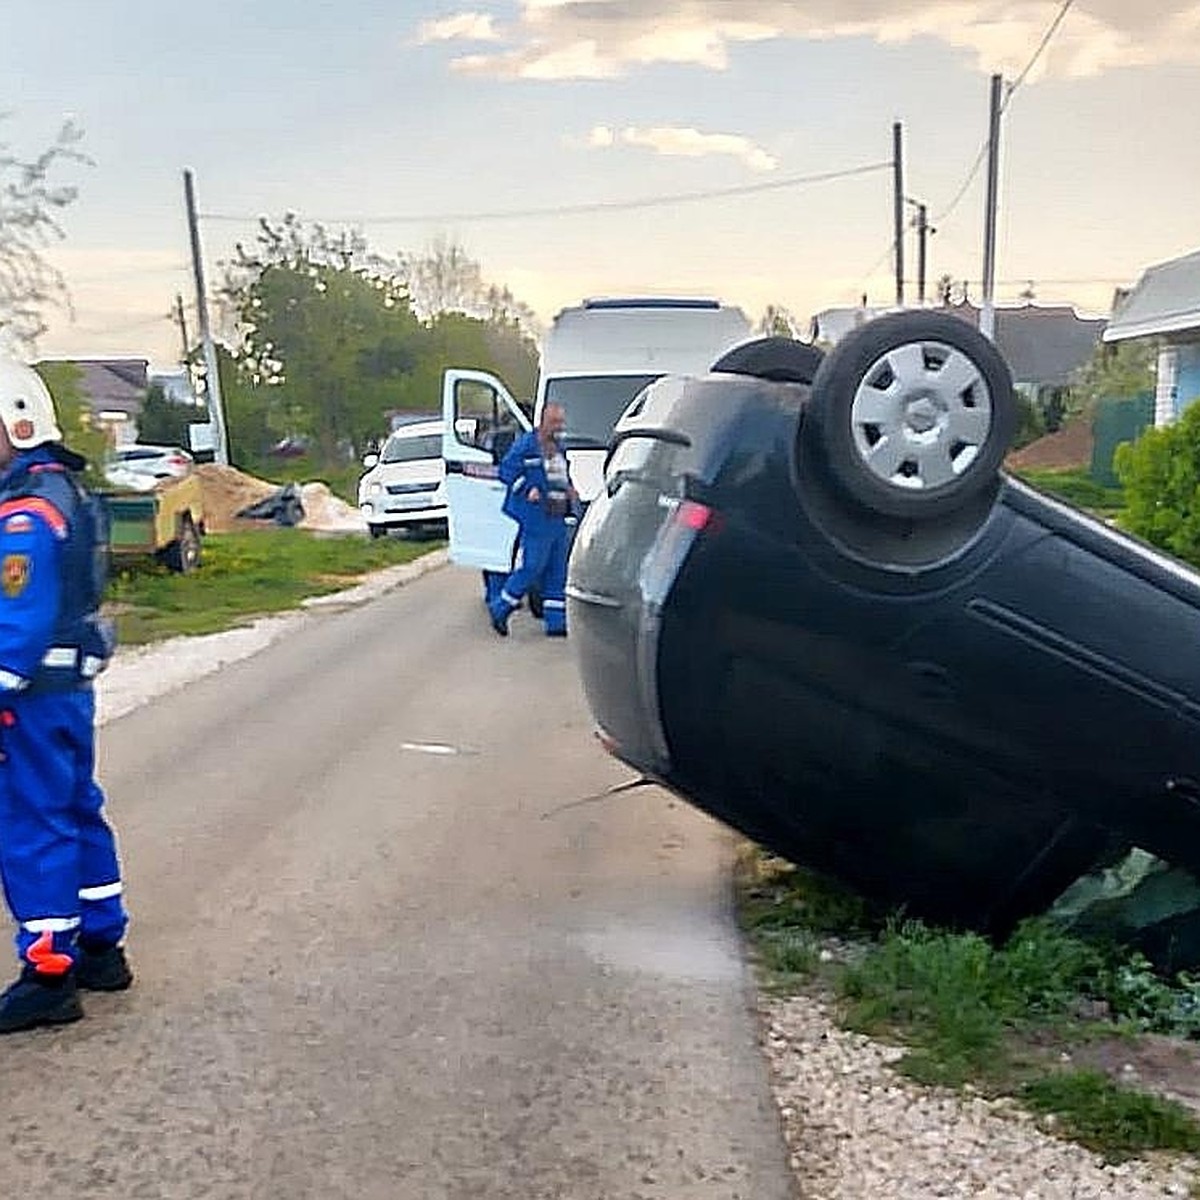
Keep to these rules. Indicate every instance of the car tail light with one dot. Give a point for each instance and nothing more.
(177, 460)
(691, 514)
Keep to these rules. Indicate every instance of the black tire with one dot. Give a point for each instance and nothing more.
(183, 554)
(913, 414)
(780, 359)
(378, 531)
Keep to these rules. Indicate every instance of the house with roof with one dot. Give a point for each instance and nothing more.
(114, 390)
(1044, 345)
(1165, 305)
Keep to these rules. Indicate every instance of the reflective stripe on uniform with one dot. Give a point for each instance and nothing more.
(554, 603)
(35, 506)
(518, 483)
(509, 599)
(10, 681)
(60, 656)
(51, 924)
(90, 666)
(104, 891)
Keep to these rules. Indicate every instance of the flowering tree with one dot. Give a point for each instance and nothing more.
(30, 206)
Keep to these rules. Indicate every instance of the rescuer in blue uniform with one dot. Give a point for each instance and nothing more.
(539, 498)
(58, 856)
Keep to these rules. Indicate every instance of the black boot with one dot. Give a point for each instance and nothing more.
(103, 969)
(37, 999)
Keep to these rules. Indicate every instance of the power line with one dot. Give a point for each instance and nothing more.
(568, 210)
(1050, 32)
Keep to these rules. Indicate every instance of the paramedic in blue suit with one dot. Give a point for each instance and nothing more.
(58, 855)
(539, 498)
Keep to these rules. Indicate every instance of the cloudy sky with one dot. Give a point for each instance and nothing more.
(416, 119)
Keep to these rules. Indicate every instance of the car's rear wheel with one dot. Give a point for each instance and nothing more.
(781, 359)
(378, 531)
(914, 413)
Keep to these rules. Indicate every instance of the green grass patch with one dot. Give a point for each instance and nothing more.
(1111, 1120)
(954, 996)
(1077, 487)
(970, 1011)
(246, 575)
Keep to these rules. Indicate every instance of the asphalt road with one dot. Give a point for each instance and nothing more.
(370, 970)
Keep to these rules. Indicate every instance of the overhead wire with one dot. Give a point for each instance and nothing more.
(1051, 30)
(597, 206)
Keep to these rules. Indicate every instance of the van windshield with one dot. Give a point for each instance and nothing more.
(412, 449)
(594, 404)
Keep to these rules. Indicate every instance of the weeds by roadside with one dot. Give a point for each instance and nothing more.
(1011, 1019)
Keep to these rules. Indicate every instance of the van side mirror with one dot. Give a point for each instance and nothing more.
(370, 460)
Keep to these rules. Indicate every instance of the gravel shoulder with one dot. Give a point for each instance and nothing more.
(855, 1127)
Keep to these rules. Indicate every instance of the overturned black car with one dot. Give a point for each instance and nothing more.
(811, 603)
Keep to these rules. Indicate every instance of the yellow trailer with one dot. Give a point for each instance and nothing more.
(167, 523)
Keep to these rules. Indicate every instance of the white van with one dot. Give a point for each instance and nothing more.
(404, 486)
(595, 359)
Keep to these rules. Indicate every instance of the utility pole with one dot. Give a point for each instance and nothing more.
(216, 410)
(183, 333)
(898, 206)
(924, 229)
(987, 315)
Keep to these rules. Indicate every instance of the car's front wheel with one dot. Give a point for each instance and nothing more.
(914, 413)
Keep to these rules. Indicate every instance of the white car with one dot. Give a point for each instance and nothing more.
(139, 466)
(405, 484)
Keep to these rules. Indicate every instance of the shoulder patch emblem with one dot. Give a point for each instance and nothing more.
(14, 574)
(18, 524)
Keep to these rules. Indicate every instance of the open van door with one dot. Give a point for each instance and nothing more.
(481, 422)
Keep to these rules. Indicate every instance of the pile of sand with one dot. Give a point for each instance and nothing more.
(326, 513)
(226, 492)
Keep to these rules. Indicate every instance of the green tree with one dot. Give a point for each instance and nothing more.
(1115, 371)
(30, 203)
(1161, 476)
(330, 342)
(164, 422)
(328, 325)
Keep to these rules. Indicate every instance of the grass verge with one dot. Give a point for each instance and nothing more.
(1076, 487)
(243, 576)
(1007, 1019)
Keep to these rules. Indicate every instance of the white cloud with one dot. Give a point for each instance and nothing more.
(685, 143)
(604, 39)
(466, 26)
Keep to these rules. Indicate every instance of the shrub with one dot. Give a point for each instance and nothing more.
(1161, 477)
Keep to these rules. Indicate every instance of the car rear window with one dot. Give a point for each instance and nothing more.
(413, 449)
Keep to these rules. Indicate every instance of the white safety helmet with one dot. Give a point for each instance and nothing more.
(26, 408)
